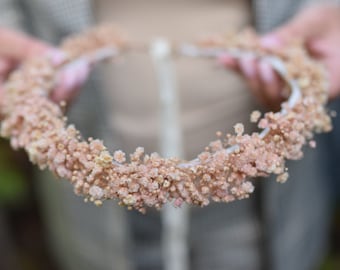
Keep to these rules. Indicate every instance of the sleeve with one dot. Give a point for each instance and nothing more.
(270, 14)
(312, 2)
(11, 14)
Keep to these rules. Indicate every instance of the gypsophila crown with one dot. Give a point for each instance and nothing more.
(220, 173)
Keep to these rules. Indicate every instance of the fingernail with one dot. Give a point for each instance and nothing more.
(266, 72)
(270, 41)
(57, 57)
(80, 71)
(225, 59)
(75, 74)
(81, 77)
(247, 67)
(66, 81)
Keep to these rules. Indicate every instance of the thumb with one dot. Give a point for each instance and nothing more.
(19, 46)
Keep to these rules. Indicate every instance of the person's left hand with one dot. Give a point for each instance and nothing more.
(318, 28)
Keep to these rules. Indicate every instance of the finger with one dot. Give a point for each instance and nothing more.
(65, 88)
(271, 82)
(334, 86)
(228, 61)
(245, 66)
(56, 56)
(62, 94)
(327, 52)
(17, 45)
(332, 67)
(303, 27)
(70, 79)
(325, 47)
(248, 68)
(6, 66)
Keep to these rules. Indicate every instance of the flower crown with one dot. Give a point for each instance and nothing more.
(220, 173)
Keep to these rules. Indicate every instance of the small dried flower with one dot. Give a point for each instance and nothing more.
(119, 156)
(239, 129)
(255, 116)
(282, 178)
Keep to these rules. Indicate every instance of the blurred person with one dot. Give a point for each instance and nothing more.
(221, 236)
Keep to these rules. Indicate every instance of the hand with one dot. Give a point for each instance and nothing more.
(318, 28)
(16, 47)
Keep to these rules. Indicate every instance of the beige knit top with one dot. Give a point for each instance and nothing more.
(211, 98)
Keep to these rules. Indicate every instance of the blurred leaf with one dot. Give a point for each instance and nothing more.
(13, 186)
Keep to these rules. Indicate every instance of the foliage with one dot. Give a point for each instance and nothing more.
(13, 183)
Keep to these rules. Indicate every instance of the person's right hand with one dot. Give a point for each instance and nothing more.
(15, 47)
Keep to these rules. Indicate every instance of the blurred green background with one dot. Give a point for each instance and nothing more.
(13, 182)
(23, 243)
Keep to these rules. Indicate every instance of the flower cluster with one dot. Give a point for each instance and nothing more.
(33, 122)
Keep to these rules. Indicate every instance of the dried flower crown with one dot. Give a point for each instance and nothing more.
(33, 122)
